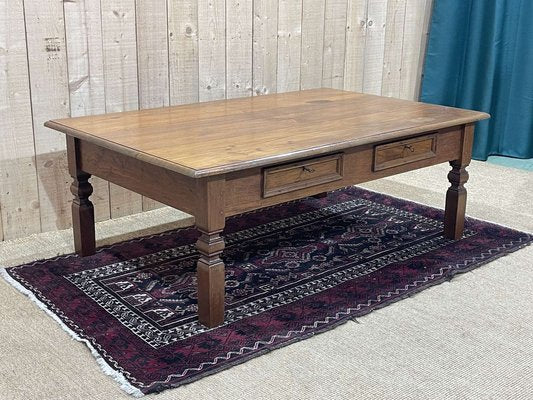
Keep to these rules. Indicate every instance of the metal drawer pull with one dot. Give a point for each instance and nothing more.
(308, 169)
(409, 147)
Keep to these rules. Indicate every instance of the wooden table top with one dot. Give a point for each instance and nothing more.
(229, 135)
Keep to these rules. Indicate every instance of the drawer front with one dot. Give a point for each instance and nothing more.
(406, 151)
(302, 174)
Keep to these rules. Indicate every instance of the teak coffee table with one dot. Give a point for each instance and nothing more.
(221, 158)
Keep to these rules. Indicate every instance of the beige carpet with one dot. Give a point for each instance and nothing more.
(471, 338)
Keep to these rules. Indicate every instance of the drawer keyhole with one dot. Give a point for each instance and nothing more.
(308, 169)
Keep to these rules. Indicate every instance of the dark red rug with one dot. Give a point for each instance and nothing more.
(292, 271)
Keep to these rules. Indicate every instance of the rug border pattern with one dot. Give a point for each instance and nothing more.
(158, 338)
(475, 261)
(319, 326)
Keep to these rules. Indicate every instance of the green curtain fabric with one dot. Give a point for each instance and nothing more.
(480, 56)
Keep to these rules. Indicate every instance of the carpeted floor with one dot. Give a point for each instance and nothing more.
(471, 338)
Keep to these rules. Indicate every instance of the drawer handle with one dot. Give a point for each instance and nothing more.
(308, 169)
(408, 147)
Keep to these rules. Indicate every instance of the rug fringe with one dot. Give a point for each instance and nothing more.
(104, 366)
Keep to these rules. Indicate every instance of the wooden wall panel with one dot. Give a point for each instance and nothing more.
(83, 29)
(238, 48)
(392, 55)
(121, 83)
(152, 53)
(19, 197)
(88, 57)
(47, 63)
(374, 46)
(289, 45)
(312, 44)
(354, 65)
(212, 49)
(265, 47)
(183, 51)
(152, 61)
(334, 43)
(417, 14)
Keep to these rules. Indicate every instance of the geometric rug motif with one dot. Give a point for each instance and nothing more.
(292, 271)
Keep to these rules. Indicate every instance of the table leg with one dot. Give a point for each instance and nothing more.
(82, 208)
(210, 222)
(211, 279)
(454, 214)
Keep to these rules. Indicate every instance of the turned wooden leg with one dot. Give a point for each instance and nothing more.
(210, 222)
(82, 208)
(211, 279)
(454, 215)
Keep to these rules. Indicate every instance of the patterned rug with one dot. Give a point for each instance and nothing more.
(292, 271)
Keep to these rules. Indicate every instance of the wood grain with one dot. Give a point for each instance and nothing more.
(121, 84)
(454, 214)
(244, 188)
(238, 48)
(47, 63)
(139, 176)
(152, 61)
(183, 51)
(152, 53)
(210, 220)
(374, 46)
(379, 151)
(265, 46)
(19, 197)
(289, 45)
(405, 151)
(417, 15)
(212, 49)
(82, 208)
(83, 28)
(97, 65)
(354, 64)
(312, 60)
(260, 130)
(334, 44)
(302, 174)
(392, 56)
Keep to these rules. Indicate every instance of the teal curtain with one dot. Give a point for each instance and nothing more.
(480, 56)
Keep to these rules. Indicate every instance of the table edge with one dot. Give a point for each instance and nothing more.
(261, 162)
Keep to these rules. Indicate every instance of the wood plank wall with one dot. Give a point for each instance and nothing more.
(60, 58)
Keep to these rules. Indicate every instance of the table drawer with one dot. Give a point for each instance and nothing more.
(302, 174)
(406, 151)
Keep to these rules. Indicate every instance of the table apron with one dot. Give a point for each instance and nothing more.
(166, 186)
(244, 188)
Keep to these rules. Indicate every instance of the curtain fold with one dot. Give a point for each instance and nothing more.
(480, 56)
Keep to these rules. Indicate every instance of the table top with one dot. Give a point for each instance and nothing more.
(230, 135)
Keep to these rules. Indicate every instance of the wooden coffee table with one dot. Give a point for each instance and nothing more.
(222, 158)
